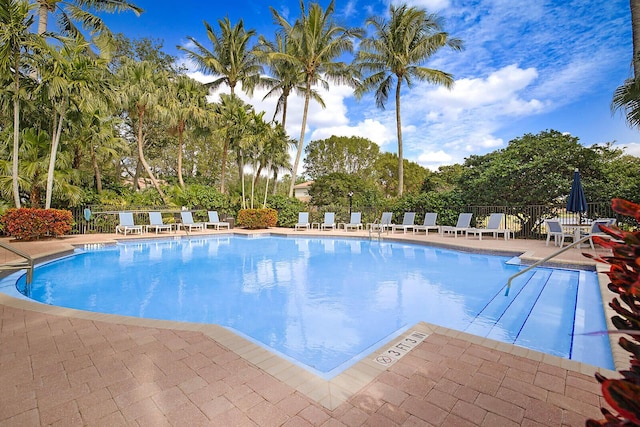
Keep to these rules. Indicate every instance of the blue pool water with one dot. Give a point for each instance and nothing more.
(326, 303)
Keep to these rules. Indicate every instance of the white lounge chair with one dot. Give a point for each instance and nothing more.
(303, 221)
(126, 224)
(384, 224)
(493, 227)
(214, 220)
(554, 228)
(355, 222)
(329, 221)
(187, 221)
(155, 222)
(407, 223)
(429, 223)
(464, 223)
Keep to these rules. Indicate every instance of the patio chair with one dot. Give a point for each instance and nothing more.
(595, 229)
(407, 223)
(493, 227)
(329, 221)
(429, 223)
(126, 224)
(463, 224)
(355, 222)
(187, 221)
(214, 220)
(303, 221)
(555, 230)
(155, 222)
(384, 224)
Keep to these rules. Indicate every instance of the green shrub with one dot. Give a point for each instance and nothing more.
(257, 218)
(288, 208)
(202, 197)
(31, 223)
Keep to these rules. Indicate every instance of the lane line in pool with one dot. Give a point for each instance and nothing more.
(400, 348)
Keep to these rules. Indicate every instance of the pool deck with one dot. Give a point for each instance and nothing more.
(69, 367)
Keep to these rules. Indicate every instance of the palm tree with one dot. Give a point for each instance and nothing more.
(276, 152)
(627, 97)
(141, 92)
(397, 51)
(70, 11)
(186, 104)
(233, 117)
(285, 76)
(316, 44)
(231, 61)
(15, 43)
(70, 80)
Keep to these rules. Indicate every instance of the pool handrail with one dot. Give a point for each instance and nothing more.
(28, 263)
(542, 261)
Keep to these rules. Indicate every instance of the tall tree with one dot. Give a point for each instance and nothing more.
(317, 43)
(396, 51)
(185, 105)
(16, 43)
(626, 98)
(141, 91)
(351, 155)
(231, 61)
(285, 77)
(70, 80)
(76, 10)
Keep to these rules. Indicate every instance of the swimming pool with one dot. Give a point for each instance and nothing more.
(325, 303)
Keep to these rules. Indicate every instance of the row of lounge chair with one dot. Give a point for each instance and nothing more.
(156, 223)
(462, 227)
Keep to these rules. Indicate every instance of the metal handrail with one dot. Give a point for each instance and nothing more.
(542, 261)
(23, 255)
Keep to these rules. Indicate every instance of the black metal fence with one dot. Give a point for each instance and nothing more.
(525, 221)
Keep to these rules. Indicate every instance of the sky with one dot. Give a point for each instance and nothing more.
(527, 66)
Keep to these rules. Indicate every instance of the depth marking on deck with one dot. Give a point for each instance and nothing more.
(399, 349)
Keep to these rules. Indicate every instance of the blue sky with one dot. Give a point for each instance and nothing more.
(527, 66)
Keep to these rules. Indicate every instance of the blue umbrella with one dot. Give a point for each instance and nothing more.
(576, 202)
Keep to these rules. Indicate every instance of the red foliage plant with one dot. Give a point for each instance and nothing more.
(31, 223)
(623, 394)
(258, 218)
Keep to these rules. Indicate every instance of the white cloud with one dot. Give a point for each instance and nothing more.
(370, 129)
(632, 148)
(429, 5)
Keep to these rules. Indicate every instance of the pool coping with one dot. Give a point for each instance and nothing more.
(337, 390)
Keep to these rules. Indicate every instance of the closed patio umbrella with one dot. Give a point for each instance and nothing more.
(576, 202)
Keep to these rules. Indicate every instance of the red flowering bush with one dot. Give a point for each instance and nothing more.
(623, 394)
(258, 218)
(30, 224)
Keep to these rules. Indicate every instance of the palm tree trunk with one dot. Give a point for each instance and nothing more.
(399, 131)
(180, 131)
(225, 149)
(43, 16)
(635, 31)
(266, 187)
(96, 169)
(284, 112)
(16, 137)
(52, 157)
(241, 172)
(307, 97)
(144, 162)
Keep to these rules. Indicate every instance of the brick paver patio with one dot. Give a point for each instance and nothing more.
(66, 371)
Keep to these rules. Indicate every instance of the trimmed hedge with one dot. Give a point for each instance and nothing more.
(257, 218)
(31, 224)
